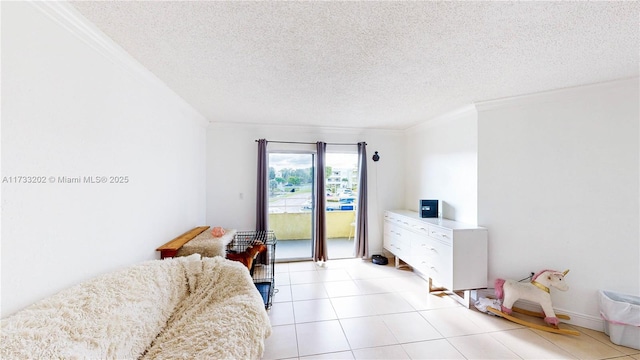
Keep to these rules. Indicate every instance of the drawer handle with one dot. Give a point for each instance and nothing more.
(430, 248)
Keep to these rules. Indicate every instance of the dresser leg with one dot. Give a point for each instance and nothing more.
(401, 264)
(435, 288)
(464, 297)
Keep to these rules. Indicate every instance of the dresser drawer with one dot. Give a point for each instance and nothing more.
(440, 234)
(399, 248)
(428, 248)
(406, 222)
(418, 226)
(442, 274)
(401, 237)
(396, 239)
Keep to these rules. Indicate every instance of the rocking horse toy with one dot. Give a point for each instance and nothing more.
(538, 290)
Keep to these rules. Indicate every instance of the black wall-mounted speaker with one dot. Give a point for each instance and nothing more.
(428, 208)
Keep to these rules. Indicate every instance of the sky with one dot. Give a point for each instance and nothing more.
(302, 161)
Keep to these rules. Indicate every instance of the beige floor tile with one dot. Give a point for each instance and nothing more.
(582, 347)
(601, 336)
(452, 321)
(342, 355)
(366, 332)
(302, 266)
(351, 306)
(529, 345)
(388, 303)
(320, 338)
(410, 327)
(308, 292)
(313, 310)
(433, 349)
(394, 284)
(373, 272)
(281, 313)
(334, 275)
(304, 277)
(395, 352)
(490, 322)
(405, 283)
(282, 343)
(341, 264)
(342, 288)
(282, 293)
(281, 267)
(282, 278)
(371, 286)
(423, 300)
(481, 346)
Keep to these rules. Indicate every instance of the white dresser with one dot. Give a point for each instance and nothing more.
(449, 253)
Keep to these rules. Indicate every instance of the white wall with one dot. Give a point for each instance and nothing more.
(441, 163)
(231, 170)
(75, 105)
(558, 188)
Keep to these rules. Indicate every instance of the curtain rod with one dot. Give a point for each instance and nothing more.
(306, 143)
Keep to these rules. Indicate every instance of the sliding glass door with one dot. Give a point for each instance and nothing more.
(291, 203)
(341, 183)
(292, 206)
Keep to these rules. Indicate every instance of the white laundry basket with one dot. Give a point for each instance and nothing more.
(621, 313)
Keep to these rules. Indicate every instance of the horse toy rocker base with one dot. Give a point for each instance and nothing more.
(538, 290)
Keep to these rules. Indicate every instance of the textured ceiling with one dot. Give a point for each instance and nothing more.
(387, 65)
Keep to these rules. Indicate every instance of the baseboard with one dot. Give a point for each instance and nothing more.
(582, 320)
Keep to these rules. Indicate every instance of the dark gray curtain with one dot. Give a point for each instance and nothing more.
(262, 204)
(362, 233)
(320, 245)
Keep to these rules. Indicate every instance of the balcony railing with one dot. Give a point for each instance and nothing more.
(295, 226)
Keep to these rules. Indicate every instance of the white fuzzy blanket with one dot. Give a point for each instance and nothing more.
(223, 319)
(207, 245)
(175, 308)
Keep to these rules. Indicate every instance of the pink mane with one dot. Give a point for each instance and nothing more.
(540, 273)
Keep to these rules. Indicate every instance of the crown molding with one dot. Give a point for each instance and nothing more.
(463, 112)
(307, 129)
(563, 94)
(75, 23)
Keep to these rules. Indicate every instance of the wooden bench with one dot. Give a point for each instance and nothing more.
(171, 248)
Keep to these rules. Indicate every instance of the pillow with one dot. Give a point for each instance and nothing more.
(217, 231)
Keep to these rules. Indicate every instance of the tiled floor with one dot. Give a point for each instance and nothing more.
(353, 309)
(337, 248)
